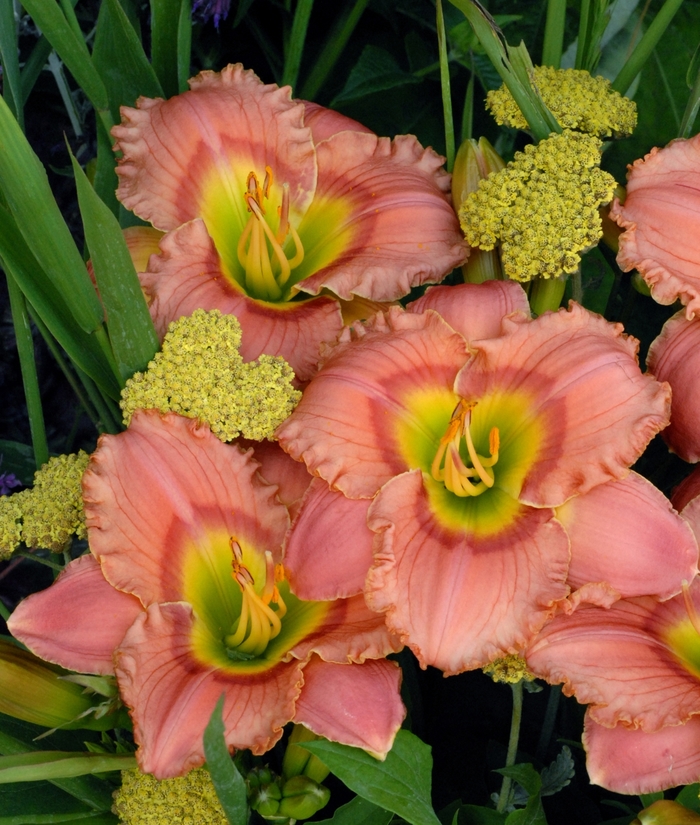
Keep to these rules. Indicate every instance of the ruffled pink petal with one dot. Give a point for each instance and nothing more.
(686, 491)
(325, 123)
(350, 633)
(619, 661)
(673, 357)
(276, 467)
(399, 229)
(345, 426)
(188, 276)
(627, 534)
(167, 485)
(329, 549)
(458, 600)
(661, 216)
(634, 762)
(357, 705)
(78, 621)
(594, 409)
(474, 310)
(172, 695)
(228, 125)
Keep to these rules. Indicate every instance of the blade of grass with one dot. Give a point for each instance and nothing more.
(9, 57)
(184, 45)
(336, 42)
(165, 20)
(693, 104)
(34, 66)
(468, 113)
(646, 46)
(292, 60)
(30, 379)
(554, 33)
(445, 87)
(108, 415)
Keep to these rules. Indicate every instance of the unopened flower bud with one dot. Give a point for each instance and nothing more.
(302, 797)
(666, 812)
(300, 761)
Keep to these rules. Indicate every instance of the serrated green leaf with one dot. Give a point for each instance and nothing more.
(131, 331)
(526, 776)
(359, 811)
(119, 58)
(71, 49)
(28, 767)
(375, 71)
(229, 784)
(401, 783)
(558, 774)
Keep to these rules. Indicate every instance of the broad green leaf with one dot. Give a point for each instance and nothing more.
(28, 767)
(478, 815)
(84, 818)
(229, 784)
(71, 49)
(359, 812)
(401, 783)
(689, 797)
(650, 798)
(165, 18)
(131, 331)
(9, 58)
(28, 194)
(184, 45)
(375, 71)
(51, 306)
(533, 812)
(18, 459)
(120, 59)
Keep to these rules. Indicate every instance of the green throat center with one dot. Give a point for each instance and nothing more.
(475, 475)
(261, 251)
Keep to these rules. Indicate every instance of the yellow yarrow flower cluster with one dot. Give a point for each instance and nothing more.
(184, 800)
(199, 373)
(577, 100)
(542, 208)
(510, 669)
(48, 514)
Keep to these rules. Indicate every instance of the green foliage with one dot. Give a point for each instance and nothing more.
(229, 784)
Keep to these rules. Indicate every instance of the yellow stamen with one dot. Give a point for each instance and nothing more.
(258, 623)
(449, 467)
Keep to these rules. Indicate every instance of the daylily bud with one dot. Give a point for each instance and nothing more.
(266, 800)
(474, 162)
(300, 761)
(36, 692)
(302, 797)
(666, 812)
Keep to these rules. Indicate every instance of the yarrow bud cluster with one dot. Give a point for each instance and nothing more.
(542, 208)
(577, 100)
(510, 669)
(199, 373)
(48, 514)
(184, 800)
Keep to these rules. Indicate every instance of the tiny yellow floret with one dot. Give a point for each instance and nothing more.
(510, 669)
(577, 100)
(184, 800)
(199, 373)
(48, 514)
(542, 208)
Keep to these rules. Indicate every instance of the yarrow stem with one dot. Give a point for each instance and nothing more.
(516, 718)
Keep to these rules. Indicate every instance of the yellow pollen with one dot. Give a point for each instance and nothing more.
(258, 623)
(260, 249)
(449, 467)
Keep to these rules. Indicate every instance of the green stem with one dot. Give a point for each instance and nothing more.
(546, 293)
(30, 379)
(330, 53)
(292, 61)
(445, 87)
(550, 716)
(41, 560)
(103, 340)
(106, 421)
(468, 113)
(554, 33)
(504, 796)
(646, 46)
(582, 42)
(4, 612)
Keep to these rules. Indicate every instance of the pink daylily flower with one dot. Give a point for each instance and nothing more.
(184, 598)
(266, 199)
(462, 438)
(661, 219)
(637, 665)
(673, 357)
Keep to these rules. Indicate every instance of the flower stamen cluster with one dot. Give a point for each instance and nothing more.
(542, 208)
(511, 669)
(577, 100)
(48, 514)
(185, 800)
(199, 373)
